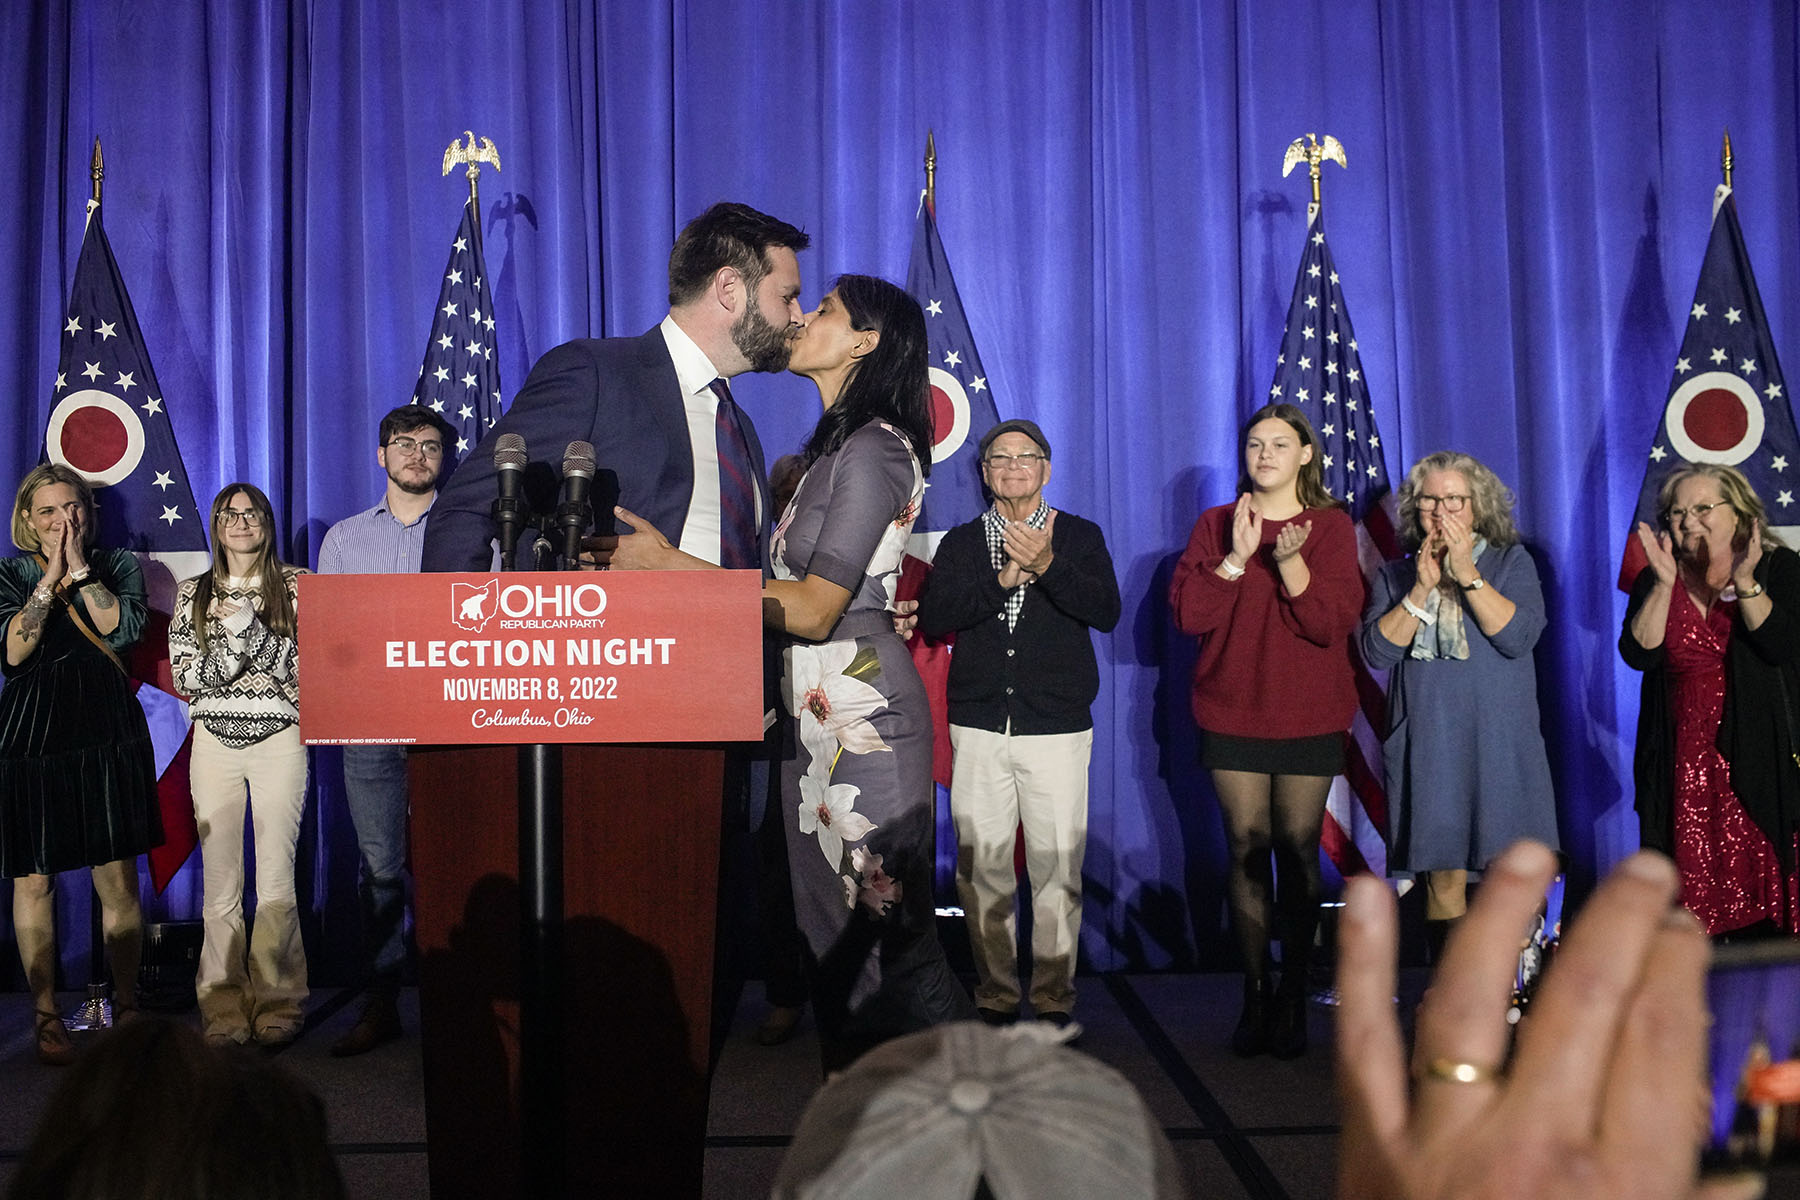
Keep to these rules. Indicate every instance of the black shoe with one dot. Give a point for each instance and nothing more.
(1251, 1037)
(993, 1016)
(1287, 1026)
(380, 1022)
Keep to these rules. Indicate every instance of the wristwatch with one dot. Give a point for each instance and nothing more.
(1752, 593)
(1474, 585)
(79, 577)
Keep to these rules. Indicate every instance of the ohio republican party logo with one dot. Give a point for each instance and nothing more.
(97, 434)
(472, 606)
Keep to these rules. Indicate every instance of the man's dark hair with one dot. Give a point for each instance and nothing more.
(727, 235)
(409, 417)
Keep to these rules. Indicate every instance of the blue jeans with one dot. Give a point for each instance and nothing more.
(375, 789)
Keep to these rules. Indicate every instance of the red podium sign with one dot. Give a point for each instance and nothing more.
(632, 656)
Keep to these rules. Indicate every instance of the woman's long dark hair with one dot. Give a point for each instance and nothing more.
(892, 382)
(277, 610)
(1309, 485)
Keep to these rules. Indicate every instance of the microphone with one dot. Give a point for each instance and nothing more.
(510, 510)
(573, 513)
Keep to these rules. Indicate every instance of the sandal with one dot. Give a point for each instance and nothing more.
(54, 1048)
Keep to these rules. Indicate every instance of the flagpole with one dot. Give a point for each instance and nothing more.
(543, 1134)
(96, 170)
(931, 172)
(1725, 158)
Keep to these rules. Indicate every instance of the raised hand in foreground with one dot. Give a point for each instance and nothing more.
(1606, 1095)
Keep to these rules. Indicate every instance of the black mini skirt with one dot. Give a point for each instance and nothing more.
(1322, 754)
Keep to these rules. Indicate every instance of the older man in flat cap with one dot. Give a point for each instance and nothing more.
(1021, 586)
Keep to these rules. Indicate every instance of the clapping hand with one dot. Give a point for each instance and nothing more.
(1744, 559)
(1288, 542)
(55, 548)
(74, 540)
(1028, 547)
(1246, 531)
(1428, 567)
(1458, 541)
(1659, 550)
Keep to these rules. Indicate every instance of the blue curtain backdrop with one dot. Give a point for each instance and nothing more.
(1518, 233)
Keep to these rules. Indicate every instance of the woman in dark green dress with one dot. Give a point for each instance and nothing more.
(77, 772)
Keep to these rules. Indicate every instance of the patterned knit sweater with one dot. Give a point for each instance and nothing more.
(244, 684)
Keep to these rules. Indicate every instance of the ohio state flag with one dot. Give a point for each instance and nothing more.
(108, 422)
(1727, 401)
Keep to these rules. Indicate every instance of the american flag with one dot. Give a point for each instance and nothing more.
(460, 377)
(108, 421)
(962, 409)
(1727, 401)
(1320, 371)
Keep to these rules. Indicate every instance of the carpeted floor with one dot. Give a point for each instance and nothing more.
(1255, 1128)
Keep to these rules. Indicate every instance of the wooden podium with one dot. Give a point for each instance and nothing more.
(663, 667)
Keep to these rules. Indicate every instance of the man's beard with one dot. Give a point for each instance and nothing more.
(413, 487)
(765, 346)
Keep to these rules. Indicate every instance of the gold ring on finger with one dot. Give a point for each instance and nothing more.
(1450, 1070)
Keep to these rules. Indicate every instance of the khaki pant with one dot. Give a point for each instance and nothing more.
(1003, 781)
(260, 985)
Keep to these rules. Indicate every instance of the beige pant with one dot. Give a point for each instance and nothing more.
(1003, 781)
(261, 985)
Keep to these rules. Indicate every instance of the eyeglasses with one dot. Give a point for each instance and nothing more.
(249, 518)
(1675, 516)
(1451, 504)
(999, 462)
(407, 446)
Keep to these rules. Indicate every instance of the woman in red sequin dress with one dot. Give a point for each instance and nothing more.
(1714, 624)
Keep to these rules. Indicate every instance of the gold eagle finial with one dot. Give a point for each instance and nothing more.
(1311, 151)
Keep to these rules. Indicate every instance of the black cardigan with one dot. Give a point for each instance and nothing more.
(1756, 729)
(1040, 675)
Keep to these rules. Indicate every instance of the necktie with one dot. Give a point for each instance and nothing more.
(737, 486)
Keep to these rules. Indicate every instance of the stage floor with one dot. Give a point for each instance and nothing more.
(1256, 1128)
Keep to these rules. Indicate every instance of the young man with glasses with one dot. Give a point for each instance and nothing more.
(386, 539)
(1021, 586)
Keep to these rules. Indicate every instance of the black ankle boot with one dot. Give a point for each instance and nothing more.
(1287, 1019)
(1251, 1037)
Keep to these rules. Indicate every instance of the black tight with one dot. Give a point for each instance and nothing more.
(1272, 825)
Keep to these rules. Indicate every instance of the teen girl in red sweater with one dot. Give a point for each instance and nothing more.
(1270, 586)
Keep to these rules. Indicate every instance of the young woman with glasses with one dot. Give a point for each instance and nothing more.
(232, 646)
(1455, 624)
(1271, 587)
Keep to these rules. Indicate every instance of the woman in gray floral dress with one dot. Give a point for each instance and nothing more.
(856, 783)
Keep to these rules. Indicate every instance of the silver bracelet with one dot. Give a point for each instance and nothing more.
(1424, 617)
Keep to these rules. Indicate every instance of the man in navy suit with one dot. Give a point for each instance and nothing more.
(669, 442)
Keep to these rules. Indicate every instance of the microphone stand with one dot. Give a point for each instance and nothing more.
(543, 1095)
